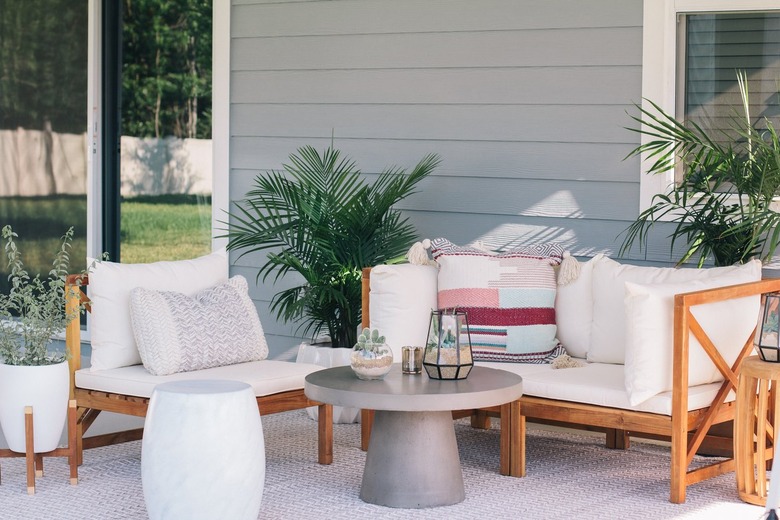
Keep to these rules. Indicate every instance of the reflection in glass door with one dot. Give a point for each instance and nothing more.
(166, 154)
(43, 124)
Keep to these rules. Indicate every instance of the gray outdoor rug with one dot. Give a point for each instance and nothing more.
(570, 476)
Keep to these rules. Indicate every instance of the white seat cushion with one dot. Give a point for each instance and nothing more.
(266, 377)
(600, 384)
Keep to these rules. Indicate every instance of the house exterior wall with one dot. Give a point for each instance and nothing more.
(524, 101)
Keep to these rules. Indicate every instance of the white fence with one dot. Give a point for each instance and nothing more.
(34, 163)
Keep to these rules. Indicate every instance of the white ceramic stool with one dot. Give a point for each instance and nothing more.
(203, 454)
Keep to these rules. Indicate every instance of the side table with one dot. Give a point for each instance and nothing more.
(203, 454)
(756, 416)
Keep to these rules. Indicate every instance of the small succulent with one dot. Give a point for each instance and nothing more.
(369, 340)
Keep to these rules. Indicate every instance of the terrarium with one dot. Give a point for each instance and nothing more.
(448, 348)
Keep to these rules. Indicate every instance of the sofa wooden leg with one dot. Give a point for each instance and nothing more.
(505, 439)
(679, 465)
(325, 434)
(512, 440)
(366, 422)
(480, 419)
(618, 439)
(517, 447)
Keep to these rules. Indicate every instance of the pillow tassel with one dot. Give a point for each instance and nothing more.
(566, 361)
(569, 270)
(418, 253)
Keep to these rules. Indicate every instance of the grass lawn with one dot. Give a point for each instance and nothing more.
(164, 228)
(152, 228)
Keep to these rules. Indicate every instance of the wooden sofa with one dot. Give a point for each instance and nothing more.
(92, 399)
(687, 426)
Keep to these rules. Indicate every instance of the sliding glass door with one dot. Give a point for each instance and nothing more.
(43, 127)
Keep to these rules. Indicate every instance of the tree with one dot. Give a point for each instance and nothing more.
(43, 65)
(166, 74)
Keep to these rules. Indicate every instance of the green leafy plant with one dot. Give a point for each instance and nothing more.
(722, 207)
(321, 219)
(33, 311)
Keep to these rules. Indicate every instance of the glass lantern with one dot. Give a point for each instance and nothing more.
(448, 348)
(766, 340)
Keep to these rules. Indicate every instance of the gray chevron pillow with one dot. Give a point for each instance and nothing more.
(178, 333)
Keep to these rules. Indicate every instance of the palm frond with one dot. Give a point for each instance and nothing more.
(722, 206)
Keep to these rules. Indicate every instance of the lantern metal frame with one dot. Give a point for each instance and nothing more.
(449, 342)
(767, 338)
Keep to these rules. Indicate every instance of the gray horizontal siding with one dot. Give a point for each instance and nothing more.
(594, 47)
(527, 160)
(467, 123)
(339, 17)
(524, 101)
(506, 86)
(508, 197)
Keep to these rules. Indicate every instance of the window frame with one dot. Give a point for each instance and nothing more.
(660, 68)
(220, 131)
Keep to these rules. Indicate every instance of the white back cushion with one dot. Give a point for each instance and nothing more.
(402, 298)
(608, 330)
(574, 311)
(649, 337)
(110, 283)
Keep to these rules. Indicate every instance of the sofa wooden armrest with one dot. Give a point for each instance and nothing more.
(90, 403)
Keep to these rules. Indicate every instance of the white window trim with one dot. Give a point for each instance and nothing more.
(220, 118)
(659, 67)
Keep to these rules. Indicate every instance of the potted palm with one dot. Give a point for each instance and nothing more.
(723, 206)
(321, 219)
(31, 313)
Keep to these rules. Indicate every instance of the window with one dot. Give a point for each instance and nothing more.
(692, 49)
(713, 46)
(165, 130)
(130, 162)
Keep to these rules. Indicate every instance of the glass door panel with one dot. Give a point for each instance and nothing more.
(166, 152)
(43, 128)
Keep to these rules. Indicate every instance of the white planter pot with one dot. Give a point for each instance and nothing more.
(45, 388)
(326, 356)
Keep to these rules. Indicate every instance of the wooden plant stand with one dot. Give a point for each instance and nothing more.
(34, 461)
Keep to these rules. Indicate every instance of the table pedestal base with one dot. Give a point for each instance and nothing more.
(412, 461)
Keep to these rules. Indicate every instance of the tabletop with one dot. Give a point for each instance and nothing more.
(414, 393)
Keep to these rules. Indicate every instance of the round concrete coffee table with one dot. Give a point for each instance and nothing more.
(412, 459)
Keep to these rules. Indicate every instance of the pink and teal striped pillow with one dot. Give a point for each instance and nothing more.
(509, 297)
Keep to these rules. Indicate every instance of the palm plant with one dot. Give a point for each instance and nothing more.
(321, 219)
(722, 207)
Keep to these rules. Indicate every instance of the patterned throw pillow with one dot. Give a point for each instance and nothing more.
(509, 298)
(178, 333)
